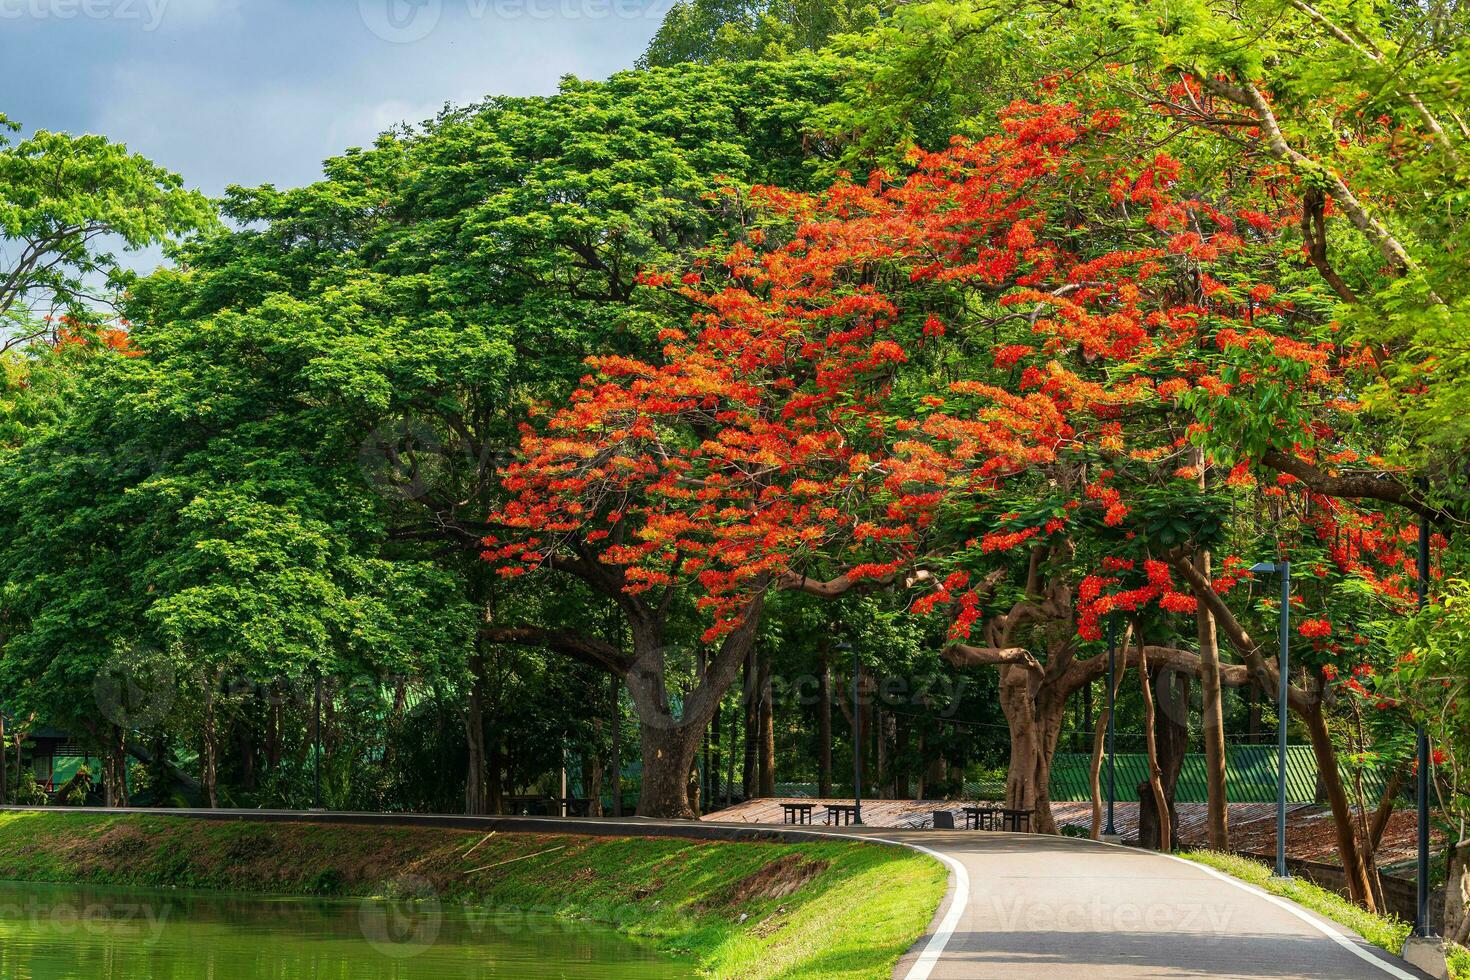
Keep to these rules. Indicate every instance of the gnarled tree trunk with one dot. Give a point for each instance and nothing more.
(824, 731)
(476, 789)
(1212, 716)
(1354, 867)
(1171, 730)
(1164, 829)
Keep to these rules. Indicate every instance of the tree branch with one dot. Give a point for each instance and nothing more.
(586, 649)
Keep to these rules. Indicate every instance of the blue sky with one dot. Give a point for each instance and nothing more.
(257, 91)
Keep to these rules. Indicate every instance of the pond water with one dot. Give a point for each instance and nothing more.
(50, 932)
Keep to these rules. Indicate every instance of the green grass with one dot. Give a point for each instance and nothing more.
(1460, 963)
(1384, 931)
(829, 909)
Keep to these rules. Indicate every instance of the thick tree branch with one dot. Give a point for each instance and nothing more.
(842, 584)
(1250, 97)
(965, 655)
(1262, 670)
(586, 649)
(1354, 486)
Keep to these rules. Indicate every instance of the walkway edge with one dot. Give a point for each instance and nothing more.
(1346, 942)
(1362, 949)
(958, 901)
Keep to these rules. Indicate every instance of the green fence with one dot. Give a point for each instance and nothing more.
(1250, 776)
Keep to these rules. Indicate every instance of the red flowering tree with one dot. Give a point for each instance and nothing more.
(803, 433)
(993, 381)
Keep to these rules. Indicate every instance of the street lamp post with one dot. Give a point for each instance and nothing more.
(1111, 831)
(857, 735)
(1283, 707)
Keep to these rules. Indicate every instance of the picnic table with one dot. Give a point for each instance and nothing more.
(841, 813)
(997, 818)
(796, 812)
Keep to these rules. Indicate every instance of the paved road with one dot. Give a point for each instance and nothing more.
(1057, 908)
(1034, 907)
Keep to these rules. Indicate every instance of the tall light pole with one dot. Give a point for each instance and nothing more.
(1283, 706)
(857, 734)
(1422, 927)
(1111, 831)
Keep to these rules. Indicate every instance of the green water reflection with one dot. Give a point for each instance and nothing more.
(50, 932)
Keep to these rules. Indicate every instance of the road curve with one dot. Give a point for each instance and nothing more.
(1025, 905)
(1059, 908)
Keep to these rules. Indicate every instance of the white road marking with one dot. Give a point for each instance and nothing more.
(934, 948)
(1305, 916)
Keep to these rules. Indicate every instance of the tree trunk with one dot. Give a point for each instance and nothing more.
(824, 731)
(712, 744)
(592, 771)
(767, 729)
(1099, 739)
(1353, 866)
(1457, 895)
(730, 759)
(495, 775)
(1019, 706)
(1384, 813)
(881, 766)
(4, 767)
(476, 791)
(668, 757)
(1155, 773)
(1172, 733)
(245, 745)
(903, 775)
(273, 719)
(615, 694)
(1212, 719)
(752, 703)
(209, 756)
(671, 743)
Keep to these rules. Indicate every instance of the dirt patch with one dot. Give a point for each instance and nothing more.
(776, 880)
(120, 842)
(249, 847)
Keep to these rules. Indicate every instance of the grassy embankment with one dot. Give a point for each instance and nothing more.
(828, 909)
(1385, 932)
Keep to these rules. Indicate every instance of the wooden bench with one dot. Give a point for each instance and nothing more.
(796, 812)
(841, 813)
